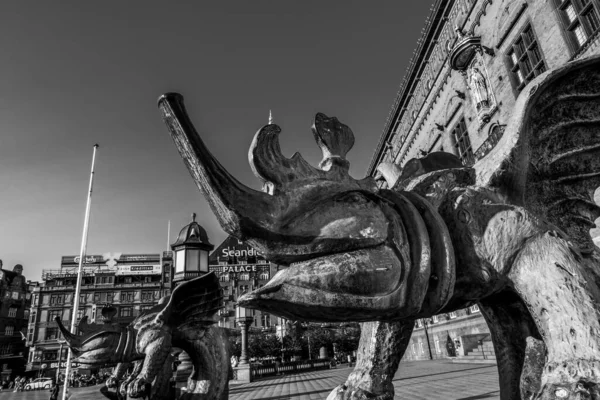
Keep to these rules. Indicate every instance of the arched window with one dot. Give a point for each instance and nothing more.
(264, 276)
(244, 277)
(463, 143)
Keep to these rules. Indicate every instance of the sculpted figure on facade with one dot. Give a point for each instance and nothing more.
(510, 234)
(480, 88)
(184, 320)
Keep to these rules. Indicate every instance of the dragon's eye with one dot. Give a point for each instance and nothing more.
(353, 198)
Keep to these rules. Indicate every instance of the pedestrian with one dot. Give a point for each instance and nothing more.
(54, 389)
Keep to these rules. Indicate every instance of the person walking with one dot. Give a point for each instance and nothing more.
(54, 390)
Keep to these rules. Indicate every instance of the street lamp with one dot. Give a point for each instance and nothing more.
(191, 252)
(60, 352)
(244, 318)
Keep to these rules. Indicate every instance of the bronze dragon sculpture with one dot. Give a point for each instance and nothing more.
(183, 320)
(510, 234)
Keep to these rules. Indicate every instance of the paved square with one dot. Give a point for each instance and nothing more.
(427, 380)
(416, 380)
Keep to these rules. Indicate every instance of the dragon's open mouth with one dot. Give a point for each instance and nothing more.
(333, 287)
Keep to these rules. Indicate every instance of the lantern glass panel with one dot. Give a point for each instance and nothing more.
(180, 261)
(192, 260)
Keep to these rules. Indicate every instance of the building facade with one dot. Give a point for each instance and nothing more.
(132, 283)
(471, 63)
(15, 300)
(241, 269)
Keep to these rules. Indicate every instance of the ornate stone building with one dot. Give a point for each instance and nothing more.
(471, 63)
(241, 269)
(15, 300)
(132, 283)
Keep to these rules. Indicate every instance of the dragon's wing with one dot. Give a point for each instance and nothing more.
(194, 302)
(549, 156)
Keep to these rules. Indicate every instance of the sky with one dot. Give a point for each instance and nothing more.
(78, 73)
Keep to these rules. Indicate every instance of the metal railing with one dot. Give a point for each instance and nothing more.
(272, 369)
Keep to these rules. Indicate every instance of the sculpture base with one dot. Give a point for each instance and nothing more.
(243, 373)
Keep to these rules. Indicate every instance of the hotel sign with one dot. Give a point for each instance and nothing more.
(138, 270)
(247, 252)
(238, 268)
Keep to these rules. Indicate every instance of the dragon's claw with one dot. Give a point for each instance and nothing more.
(138, 388)
(112, 382)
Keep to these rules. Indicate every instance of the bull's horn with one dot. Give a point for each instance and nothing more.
(237, 207)
(72, 340)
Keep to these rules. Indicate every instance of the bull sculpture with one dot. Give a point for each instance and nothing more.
(510, 234)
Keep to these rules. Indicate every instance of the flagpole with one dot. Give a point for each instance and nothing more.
(169, 236)
(79, 271)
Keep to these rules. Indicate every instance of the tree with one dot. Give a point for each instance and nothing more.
(264, 345)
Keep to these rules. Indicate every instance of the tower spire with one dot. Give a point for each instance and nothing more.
(270, 117)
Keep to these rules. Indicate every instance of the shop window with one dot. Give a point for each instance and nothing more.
(12, 312)
(524, 58)
(580, 20)
(463, 143)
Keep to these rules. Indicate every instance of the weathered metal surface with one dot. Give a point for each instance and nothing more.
(515, 236)
(183, 320)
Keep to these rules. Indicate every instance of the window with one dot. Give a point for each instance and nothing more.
(80, 313)
(434, 319)
(266, 320)
(244, 277)
(463, 143)
(51, 334)
(264, 276)
(147, 296)
(580, 20)
(146, 308)
(57, 299)
(9, 330)
(53, 314)
(421, 348)
(126, 311)
(26, 314)
(6, 349)
(452, 315)
(474, 308)
(51, 355)
(243, 289)
(103, 297)
(147, 279)
(438, 350)
(104, 280)
(127, 297)
(525, 58)
(82, 298)
(12, 312)
(224, 278)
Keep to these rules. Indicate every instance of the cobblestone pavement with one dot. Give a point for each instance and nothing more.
(427, 380)
(417, 380)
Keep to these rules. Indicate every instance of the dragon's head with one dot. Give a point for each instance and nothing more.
(98, 344)
(344, 243)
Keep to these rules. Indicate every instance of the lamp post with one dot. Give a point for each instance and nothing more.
(244, 318)
(60, 352)
(425, 321)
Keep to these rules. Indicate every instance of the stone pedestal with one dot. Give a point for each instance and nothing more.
(243, 372)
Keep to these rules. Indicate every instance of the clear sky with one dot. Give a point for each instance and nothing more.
(77, 73)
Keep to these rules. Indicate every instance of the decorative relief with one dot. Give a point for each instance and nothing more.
(482, 94)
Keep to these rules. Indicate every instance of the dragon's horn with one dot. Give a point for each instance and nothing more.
(238, 207)
(72, 340)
